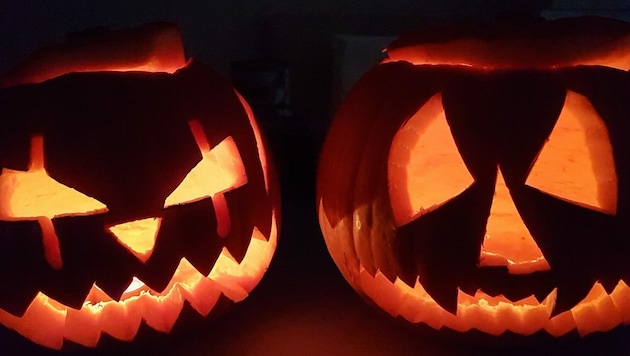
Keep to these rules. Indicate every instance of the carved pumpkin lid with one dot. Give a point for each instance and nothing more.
(153, 47)
(514, 44)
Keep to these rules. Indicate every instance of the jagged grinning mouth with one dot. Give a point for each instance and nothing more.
(159, 310)
(499, 281)
(599, 311)
(48, 322)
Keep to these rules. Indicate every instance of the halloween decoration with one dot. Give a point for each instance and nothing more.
(125, 195)
(479, 178)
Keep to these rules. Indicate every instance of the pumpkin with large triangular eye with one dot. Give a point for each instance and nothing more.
(479, 180)
(133, 187)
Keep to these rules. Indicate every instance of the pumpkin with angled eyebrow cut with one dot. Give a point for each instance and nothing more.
(134, 184)
(479, 178)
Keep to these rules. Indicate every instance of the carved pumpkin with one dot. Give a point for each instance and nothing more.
(125, 195)
(479, 180)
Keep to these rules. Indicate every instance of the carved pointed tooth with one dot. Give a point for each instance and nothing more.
(444, 295)
(570, 294)
(159, 270)
(114, 289)
(238, 248)
(202, 295)
(561, 324)
(205, 258)
(408, 278)
(609, 284)
(599, 314)
(621, 297)
(532, 300)
(16, 301)
(541, 295)
(49, 333)
(160, 312)
(82, 325)
(119, 321)
(71, 292)
(550, 301)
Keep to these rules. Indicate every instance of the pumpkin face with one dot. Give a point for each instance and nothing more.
(124, 196)
(486, 187)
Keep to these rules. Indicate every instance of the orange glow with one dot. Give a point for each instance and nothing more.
(599, 311)
(33, 195)
(28, 195)
(259, 140)
(138, 236)
(220, 170)
(507, 241)
(576, 163)
(425, 168)
(592, 41)
(155, 50)
(512, 54)
(48, 322)
(223, 163)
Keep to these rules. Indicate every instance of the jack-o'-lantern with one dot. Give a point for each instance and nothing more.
(128, 190)
(478, 178)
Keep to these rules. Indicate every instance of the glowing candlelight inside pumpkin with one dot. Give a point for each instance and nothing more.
(228, 170)
(470, 181)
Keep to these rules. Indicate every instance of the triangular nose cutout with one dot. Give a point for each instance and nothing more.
(508, 241)
(138, 236)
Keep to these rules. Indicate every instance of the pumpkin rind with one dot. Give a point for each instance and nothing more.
(125, 138)
(501, 107)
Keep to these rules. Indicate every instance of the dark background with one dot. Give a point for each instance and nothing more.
(295, 60)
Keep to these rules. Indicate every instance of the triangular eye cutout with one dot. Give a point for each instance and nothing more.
(576, 164)
(220, 170)
(425, 169)
(31, 194)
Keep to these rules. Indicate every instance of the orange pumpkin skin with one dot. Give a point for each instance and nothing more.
(446, 156)
(164, 196)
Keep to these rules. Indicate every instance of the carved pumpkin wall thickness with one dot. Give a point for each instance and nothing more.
(480, 179)
(124, 195)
